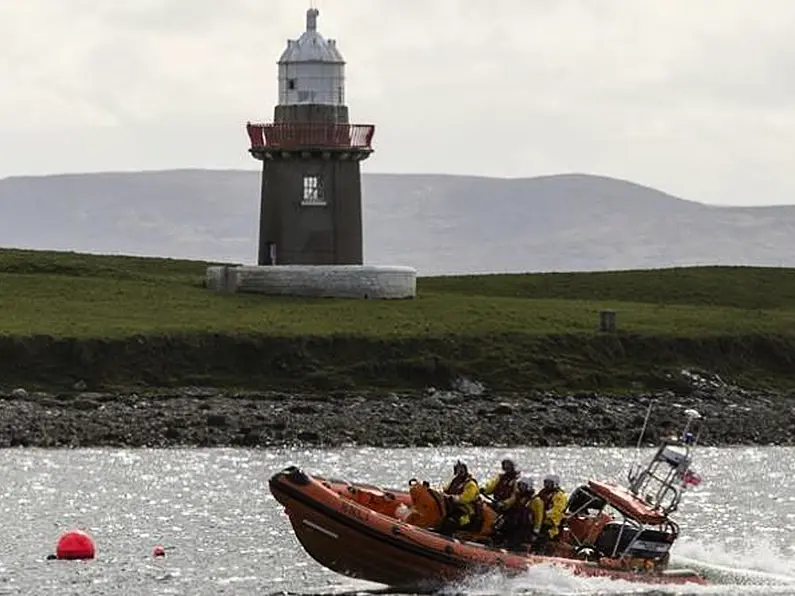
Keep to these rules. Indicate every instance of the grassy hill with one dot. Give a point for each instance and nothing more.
(131, 320)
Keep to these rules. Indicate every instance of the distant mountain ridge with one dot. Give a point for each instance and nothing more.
(440, 224)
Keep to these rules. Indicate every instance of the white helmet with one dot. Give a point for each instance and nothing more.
(525, 484)
(552, 479)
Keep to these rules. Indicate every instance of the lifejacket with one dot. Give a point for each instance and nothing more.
(517, 522)
(457, 484)
(546, 497)
(456, 487)
(520, 512)
(523, 499)
(505, 486)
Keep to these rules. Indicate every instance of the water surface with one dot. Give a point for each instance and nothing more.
(226, 534)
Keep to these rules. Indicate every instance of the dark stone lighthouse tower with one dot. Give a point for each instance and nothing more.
(311, 201)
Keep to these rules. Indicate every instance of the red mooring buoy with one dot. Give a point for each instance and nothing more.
(158, 551)
(75, 544)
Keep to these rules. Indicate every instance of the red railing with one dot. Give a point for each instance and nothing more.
(310, 136)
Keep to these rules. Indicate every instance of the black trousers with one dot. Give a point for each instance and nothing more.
(544, 544)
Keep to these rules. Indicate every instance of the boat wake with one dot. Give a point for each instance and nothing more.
(761, 570)
(755, 564)
(757, 569)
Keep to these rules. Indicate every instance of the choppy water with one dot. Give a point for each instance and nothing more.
(227, 535)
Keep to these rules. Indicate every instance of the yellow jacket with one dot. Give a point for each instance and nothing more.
(555, 510)
(493, 483)
(536, 507)
(469, 494)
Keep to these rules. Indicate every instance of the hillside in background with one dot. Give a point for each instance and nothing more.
(439, 224)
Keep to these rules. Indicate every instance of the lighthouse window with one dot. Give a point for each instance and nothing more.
(313, 191)
(291, 84)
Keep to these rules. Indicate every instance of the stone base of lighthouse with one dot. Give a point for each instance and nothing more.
(316, 281)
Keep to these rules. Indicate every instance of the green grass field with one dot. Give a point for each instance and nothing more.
(74, 295)
(84, 297)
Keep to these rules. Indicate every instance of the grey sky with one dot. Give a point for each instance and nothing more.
(694, 97)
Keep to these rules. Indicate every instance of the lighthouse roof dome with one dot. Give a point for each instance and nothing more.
(311, 46)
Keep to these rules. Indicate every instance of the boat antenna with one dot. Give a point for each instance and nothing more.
(635, 467)
(645, 424)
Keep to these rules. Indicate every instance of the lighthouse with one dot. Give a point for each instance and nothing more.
(311, 197)
(310, 229)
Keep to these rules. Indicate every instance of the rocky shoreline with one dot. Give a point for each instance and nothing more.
(469, 415)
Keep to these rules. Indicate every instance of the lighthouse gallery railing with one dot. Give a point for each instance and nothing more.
(311, 136)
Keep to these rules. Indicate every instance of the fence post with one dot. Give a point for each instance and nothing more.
(607, 321)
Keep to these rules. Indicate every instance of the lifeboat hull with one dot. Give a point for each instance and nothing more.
(350, 539)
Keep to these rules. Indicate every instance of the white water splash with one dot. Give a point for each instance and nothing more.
(541, 579)
(757, 569)
(754, 562)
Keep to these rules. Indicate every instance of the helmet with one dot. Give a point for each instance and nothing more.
(460, 468)
(525, 484)
(508, 465)
(552, 481)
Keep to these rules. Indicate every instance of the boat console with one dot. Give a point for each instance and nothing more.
(631, 525)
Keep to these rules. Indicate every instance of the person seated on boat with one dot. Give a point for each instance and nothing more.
(464, 495)
(517, 527)
(547, 526)
(502, 487)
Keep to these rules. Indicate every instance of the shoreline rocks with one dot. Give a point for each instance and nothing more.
(466, 416)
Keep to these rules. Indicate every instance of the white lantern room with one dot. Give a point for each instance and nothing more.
(311, 69)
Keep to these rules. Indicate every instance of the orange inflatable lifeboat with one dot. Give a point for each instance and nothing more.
(387, 536)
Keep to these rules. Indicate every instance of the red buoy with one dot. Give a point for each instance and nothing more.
(158, 551)
(75, 544)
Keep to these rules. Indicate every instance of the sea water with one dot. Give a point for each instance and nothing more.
(225, 534)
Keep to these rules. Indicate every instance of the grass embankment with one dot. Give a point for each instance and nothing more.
(126, 320)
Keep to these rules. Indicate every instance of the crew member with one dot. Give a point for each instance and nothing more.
(502, 487)
(464, 496)
(547, 526)
(517, 526)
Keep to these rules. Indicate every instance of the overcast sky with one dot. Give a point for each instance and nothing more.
(694, 97)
